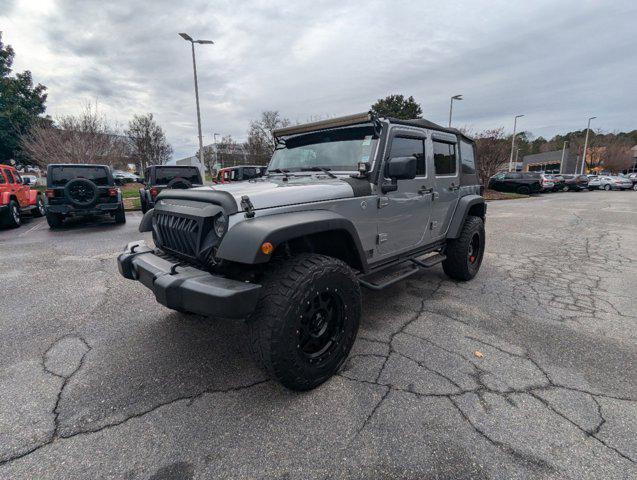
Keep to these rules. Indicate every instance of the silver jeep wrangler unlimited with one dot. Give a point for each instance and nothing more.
(347, 202)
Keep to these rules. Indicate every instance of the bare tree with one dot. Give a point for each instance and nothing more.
(148, 141)
(83, 138)
(261, 142)
(616, 156)
(493, 152)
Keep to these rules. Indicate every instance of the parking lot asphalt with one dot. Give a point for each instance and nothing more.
(526, 372)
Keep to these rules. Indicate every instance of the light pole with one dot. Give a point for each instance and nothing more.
(588, 129)
(455, 97)
(188, 38)
(562, 161)
(515, 123)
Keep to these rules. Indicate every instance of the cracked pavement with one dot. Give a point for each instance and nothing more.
(526, 372)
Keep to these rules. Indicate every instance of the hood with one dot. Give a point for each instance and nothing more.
(268, 192)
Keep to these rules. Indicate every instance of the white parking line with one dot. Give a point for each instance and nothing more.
(32, 229)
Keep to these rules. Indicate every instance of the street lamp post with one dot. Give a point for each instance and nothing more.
(515, 122)
(455, 97)
(588, 129)
(562, 161)
(188, 38)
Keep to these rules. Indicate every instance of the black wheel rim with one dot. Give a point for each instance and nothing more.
(322, 326)
(473, 253)
(81, 193)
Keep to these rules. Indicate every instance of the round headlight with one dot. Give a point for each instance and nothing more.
(220, 225)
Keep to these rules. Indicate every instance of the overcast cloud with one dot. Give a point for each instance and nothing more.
(556, 62)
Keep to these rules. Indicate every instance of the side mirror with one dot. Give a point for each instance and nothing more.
(401, 168)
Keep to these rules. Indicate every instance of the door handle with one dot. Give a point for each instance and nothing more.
(454, 187)
(424, 190)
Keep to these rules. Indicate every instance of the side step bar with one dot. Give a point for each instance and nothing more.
(417, 266)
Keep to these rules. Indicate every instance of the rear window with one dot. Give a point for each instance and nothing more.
(59, 176)
(163, 175)
(467, 157)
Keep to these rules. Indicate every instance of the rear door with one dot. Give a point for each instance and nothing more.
(403, 215)
(447, 184)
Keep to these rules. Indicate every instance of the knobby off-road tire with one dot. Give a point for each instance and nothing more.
(306, 319)
(464, 254)
(144, 205)
(54, 220)
(120, 214)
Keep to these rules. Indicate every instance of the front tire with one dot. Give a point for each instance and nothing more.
(464, 254)
(306, 320)
(13, 218)
(607, 187)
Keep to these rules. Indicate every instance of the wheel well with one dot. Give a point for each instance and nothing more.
(477, 210)
(334, 243)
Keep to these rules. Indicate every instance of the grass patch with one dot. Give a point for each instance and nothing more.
(490, 195)
(131, 204)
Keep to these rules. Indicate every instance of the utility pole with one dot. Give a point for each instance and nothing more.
(588, 128)
(188, 38)
(562, 161)
(455, 97)
(515, 122)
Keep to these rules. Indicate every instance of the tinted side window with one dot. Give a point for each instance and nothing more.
(468, 157)
(408, 147)
(444, 158)
(2, 180)
(10, 176)
(17, 178)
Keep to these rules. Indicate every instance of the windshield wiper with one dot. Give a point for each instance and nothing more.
(281, 171)
(319, 169)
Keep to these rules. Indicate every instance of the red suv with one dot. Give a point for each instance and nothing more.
(16, 198)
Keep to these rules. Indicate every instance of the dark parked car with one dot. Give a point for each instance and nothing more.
(240, 173)
(159, 177)
(559, 183)
(576, 183)
(518, 182)
(75, 190)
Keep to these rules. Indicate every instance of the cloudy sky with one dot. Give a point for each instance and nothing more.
(557, 62)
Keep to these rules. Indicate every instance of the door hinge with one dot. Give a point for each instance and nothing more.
(381, 238)
(383, 202)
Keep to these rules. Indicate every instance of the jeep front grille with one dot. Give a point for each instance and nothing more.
(177, 234)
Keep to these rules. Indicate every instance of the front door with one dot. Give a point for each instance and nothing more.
(447, 184)
(403, 215)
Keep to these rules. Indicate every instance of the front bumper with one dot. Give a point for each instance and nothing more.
(187, 288)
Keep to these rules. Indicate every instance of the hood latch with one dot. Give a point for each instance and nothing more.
(246, 204)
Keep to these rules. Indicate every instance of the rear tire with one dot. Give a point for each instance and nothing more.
(143, 204)
(55, 220)
(120, 214)
(607, 187)
(40, 209)
(524, 190)
(306, 320)
(464, 254)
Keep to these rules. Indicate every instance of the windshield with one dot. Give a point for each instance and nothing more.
(163, 175)
(60, 175)
(337, 150)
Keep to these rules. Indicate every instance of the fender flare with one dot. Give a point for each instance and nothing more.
(242, 243)
(462, 210)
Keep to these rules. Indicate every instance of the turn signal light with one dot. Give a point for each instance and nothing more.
(112, 192)
(153, 192)
(267, 248)
(50, 193)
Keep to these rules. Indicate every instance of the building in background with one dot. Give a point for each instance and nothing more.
(550, 162)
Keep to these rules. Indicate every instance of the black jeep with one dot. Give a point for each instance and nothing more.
(159, 177)
(76, 190)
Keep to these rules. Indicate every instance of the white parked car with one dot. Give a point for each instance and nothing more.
(607, 182)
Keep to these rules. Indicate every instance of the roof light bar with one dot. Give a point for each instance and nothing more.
(324, 124)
